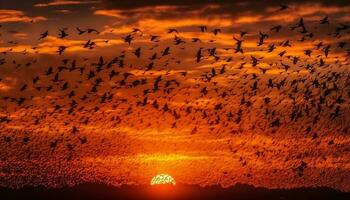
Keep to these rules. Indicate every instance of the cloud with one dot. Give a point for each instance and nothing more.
(110, 13)
(238, 6)
(17, 16)
(180, 15)
(308, 10)
(64, 11)
(4, 87)
(20, 35)
(8, 83)
(51, 44)
(140, 12)
(64, 3)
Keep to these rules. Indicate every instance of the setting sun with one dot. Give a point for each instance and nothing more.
(163, 179)
(165, 99)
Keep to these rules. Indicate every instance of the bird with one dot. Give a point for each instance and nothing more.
(276, 28)
(61, 49)
(128, 39)
(283, 7)
(194, 40)
(238, 45)
(137, 52)
(154, 38)
(172, 30)
(89, 44)
(324, 20)
(136, 30)
(203, 28)
(262, 37)
(92, 30)
(63, 33)
(166, 51)
(243, 33)
(44, 35)
(216, 31)
(199, 55)
(80, 32)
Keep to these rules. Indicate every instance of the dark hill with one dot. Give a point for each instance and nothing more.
(105, 192)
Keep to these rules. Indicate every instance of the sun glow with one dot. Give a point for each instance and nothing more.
(163, 179)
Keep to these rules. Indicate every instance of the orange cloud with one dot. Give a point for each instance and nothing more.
(249, 19)
(4, 87)
(20, 35)
(17, 16)
(159, 26)
(8, 83)
(64, 3)
(306, 10)
(139, 11)
(155, 11)
(64, 11)
(51, 44)
(110, 13)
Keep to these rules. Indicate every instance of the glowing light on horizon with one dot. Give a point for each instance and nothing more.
(163, 179)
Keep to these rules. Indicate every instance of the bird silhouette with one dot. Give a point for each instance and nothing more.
(44, 35)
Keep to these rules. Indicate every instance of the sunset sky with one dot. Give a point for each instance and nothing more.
(211, 92)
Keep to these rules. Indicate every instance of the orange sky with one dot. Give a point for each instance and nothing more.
(271, 116)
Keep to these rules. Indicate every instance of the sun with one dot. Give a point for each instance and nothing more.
(163, 179)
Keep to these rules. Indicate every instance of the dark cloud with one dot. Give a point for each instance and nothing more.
(200, 8)
(131, 4)
(252, 4)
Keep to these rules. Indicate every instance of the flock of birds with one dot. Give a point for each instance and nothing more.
(312, 88)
